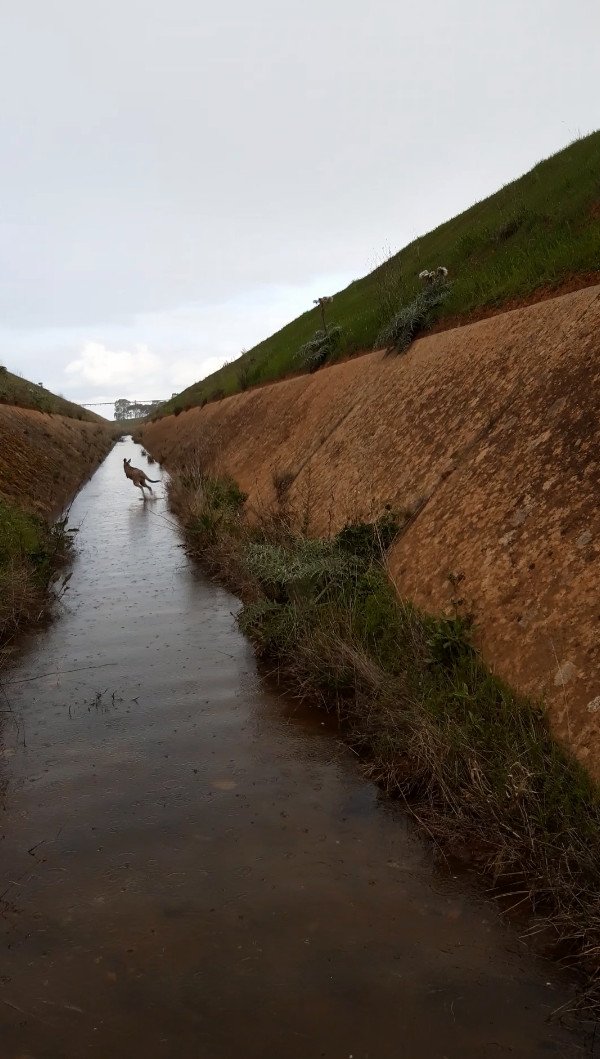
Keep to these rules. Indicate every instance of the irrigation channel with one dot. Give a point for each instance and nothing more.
(192, 867)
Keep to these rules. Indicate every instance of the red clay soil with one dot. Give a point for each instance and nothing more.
(45, 458)
(566, 286)
(492, 430)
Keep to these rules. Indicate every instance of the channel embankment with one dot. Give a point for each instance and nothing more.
(489, 435)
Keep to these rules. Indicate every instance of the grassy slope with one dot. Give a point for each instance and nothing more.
(17, 391)
(532, 235)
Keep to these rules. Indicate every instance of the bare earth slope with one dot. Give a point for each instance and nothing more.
(44, 459)
(492, 431)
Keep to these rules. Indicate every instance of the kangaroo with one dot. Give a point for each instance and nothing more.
(138, 477)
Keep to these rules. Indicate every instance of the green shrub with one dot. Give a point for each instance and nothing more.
(20, 534)
(369, 540)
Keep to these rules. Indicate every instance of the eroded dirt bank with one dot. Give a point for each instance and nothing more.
(491, 434)
(45, 458)
(190, 868)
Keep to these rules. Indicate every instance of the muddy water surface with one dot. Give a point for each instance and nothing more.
(191, 869)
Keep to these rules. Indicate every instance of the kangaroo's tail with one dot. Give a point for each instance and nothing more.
(154, 481)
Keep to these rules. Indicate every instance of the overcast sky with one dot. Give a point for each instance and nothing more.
(179, 179)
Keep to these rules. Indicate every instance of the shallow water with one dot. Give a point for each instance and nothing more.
(192, 868)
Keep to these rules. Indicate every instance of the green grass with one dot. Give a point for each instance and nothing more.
(17, 391)
(535, 233)
(31, 555)
(474, 762)
(20, 534)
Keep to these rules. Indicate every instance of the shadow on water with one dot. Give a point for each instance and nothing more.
(189, 868)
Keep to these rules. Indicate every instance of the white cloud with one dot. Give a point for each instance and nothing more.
(152, 355)
(136, 373)
(107, 367)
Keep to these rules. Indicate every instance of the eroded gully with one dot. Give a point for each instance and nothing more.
(190, 867)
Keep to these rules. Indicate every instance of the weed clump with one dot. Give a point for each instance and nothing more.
(370, 540)
(282, 483)
(210, 506)
(320, 348)
(414, 318)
